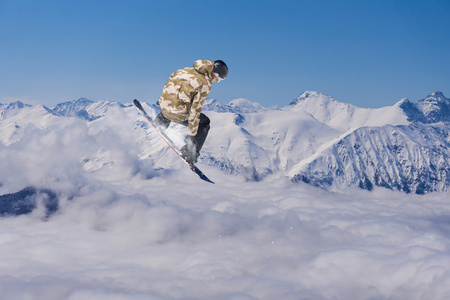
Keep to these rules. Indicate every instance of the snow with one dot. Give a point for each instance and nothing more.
(132, 223)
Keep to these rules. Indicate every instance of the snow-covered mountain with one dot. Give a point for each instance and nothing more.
(320, 141)
(315, 139)
(404, 147)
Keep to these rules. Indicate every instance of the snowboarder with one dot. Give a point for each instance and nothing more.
(182, 99)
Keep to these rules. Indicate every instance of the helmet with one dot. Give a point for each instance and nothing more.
(220, 70)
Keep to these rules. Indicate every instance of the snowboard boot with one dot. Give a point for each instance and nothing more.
(189, 155)
(161, 122)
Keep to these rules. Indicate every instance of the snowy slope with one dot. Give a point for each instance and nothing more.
(263, 143)
(315, 139)
(411, 158)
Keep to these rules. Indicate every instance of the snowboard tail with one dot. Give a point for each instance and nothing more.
(168, 141)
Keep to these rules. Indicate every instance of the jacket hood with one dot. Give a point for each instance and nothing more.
(204, 67)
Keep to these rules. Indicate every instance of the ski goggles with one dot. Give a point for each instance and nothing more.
(216, 78)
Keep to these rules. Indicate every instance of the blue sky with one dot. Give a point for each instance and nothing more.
(367, 53)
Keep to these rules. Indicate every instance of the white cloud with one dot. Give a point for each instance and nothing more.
(157, 238)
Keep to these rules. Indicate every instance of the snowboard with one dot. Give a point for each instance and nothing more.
(168, 141)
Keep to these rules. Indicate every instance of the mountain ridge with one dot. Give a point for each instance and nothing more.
(315, 139)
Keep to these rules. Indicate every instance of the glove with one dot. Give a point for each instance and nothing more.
(189, 151)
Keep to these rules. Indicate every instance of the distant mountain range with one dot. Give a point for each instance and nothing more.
(315, 139)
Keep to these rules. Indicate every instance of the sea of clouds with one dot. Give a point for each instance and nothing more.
(125, 230)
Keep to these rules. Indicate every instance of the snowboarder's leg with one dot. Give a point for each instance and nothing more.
(191, 151)
(161, 122)
(202, 133)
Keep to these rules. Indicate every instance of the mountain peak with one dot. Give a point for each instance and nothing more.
(437, 95)
(403, 102)
(435, 107)
(211, 104)
(75, 108)
(310, 95)
(244, 105)
(74, 103)
(17, 104)
(81, 100)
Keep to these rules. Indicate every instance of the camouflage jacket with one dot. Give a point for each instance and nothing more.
(184, 93)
